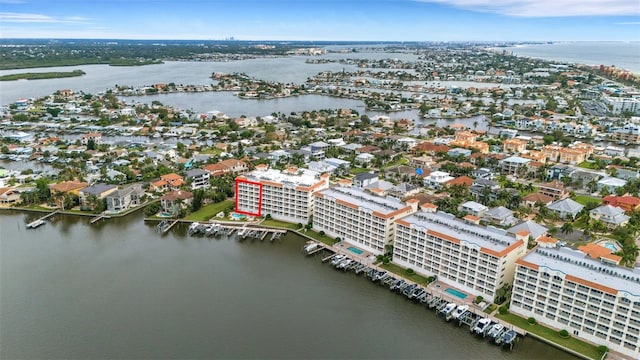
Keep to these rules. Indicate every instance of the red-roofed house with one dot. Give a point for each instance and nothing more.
(461, 180)
(171, 181)
(626, 203)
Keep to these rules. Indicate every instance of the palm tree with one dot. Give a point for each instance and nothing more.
(567, 228)
(629, 254)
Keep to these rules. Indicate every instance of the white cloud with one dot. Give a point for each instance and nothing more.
(12, 17)
(547, 8)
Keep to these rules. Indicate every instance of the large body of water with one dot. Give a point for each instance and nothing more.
(622, 54)
(117, 289)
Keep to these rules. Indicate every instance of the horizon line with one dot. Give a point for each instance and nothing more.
(320, 41)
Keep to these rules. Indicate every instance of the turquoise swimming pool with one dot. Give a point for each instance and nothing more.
(355, 250)
(236, 216)
(456, 293)
(610, 246)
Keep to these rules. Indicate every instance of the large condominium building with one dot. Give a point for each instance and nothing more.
(476, 259)
(592, 299)
(286, 195)
(359, 217)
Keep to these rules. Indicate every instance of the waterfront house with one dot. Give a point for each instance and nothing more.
(125, 198)
(64, 187)
(198, 179)
(167, 182)
(96, 191)
(96, 137)
(173, 201)
(9, 195)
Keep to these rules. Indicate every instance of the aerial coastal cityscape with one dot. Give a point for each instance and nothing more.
(168, 195)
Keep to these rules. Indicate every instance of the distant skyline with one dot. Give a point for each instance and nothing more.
(332, 20)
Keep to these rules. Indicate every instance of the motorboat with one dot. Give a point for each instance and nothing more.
(449, 308)
(193, 228)
(337, 259)
(459, 311)
(408, 290)
(507, 338)
(495, 331)
(397, 284)
(482, 326)
(310, 247)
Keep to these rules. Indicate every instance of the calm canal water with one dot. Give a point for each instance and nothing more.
(117, 289)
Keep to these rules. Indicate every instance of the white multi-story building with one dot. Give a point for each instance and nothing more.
(359, 217)
(286, 195)
(618, 105)
(592, 299)
(476, 259)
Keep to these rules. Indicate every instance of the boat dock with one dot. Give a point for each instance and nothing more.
(99, 217)
(460, 311)
(242, 231)
(41, 221)
(165, 225)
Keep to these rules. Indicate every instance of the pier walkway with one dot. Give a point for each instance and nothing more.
(34, 224)
(99, 217)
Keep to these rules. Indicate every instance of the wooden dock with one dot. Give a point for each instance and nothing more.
(99, 217)
(36, 223)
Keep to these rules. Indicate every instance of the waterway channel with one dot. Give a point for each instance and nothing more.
(117, 289)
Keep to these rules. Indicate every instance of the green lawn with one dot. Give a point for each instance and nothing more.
(356, 170)
(280, 224)
(322, 238)
(582, 347)
(587, 165)
(585, 199)
(419, 279)
(208, 211)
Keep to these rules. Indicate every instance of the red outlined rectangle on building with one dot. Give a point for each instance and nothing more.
(254, 202)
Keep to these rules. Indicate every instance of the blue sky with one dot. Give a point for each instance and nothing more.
(385, 20)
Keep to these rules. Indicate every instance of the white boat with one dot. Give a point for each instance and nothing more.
(212, 229)
(506, 338)
(482, 326)
(495, 331)
(193, 228)
(310, 247)
(337, 259)
(459, 311)
(449, 308)
(344, 263)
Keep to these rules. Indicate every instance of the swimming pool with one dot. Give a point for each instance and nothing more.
(610, 246)
(238, 216)
(355, 250)
(456, 293)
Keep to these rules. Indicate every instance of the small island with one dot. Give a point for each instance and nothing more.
(44, 75)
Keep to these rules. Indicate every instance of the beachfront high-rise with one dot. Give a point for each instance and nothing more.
(285, 195)
(592, 299)
(473, 258)
(358, 217)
